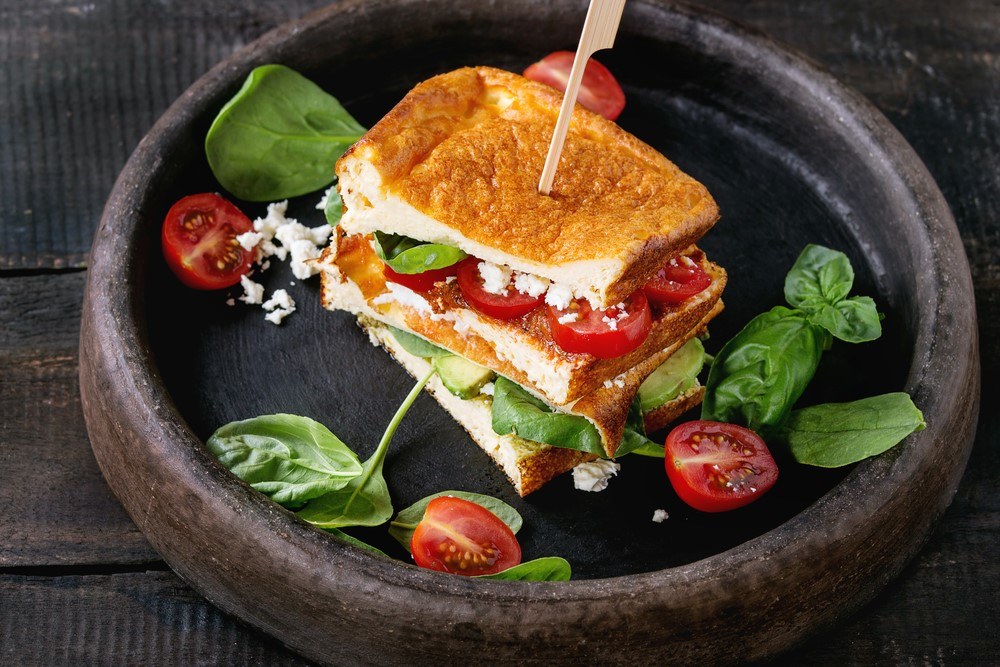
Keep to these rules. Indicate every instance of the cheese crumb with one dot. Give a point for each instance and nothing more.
(611, 322)
(688, 262)
(659, 516)
(253, 293)
(530, 284)
(304, 250)
(249, 240)
(404, 296)
(280, 299)
(594, 476)
(568, 318)
(230, 301)
(487, 389)
(496, 278)
(559, 296)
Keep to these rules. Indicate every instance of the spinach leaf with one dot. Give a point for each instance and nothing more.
(333, 211)
(279, 137)
(406, 521)
(819, 277)
(416, 345)
(854, 320)
(406, 255)
(759, 374)
(634, 438)
(518, 412)
(365, 500)
(551, 568)
(837, 434)
(350, 539)
(290, 459)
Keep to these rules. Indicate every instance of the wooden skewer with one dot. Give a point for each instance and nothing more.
(599, 32)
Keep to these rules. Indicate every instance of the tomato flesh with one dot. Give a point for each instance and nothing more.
(506, 306)
(199, 241)
(677, 281)
(461, 537)
(419, 282)
(599, 90)
(716, 467)
(604, 334)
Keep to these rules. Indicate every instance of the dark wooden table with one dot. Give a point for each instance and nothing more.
(81, 82)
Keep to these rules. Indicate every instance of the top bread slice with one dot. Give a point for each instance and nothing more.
(457, 162)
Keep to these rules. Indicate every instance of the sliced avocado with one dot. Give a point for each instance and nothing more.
(675, 376)
(460, 376)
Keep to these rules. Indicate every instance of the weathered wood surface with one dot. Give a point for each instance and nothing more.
(82, 82)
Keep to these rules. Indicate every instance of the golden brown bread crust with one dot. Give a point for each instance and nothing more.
(660, 417)
(467, 148)
(545, 465)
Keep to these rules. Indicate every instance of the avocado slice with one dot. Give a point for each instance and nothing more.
(675, 376)
(460, 376)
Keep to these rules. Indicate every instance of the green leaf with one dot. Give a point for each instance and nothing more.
(551, 568)
(854, 320)
(365, 500)
(673, 377)
(416, 345)
(759, 374)
(634, 437)
(650, 449)
(518, 412)
(406, 521)
(350, 539)
(289, 458)
(820, 277)
(279, 137)
(406, 255)
(838, 434)
(334, 208)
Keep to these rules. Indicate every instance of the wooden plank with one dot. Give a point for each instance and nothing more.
(57, 508)
(145, 618)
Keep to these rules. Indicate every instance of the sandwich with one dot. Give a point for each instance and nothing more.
(563, 327)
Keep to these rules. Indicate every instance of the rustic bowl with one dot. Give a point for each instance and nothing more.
(792, 155)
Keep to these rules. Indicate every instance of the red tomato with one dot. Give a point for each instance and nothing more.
(591, 333)
(420, 282)
(461, 537)
(501, 306)
(599, 90)
(676, 281)
(199, 241)
(716, 467)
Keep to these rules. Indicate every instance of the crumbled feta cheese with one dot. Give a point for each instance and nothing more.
(594, 476)
(249, 240)
(230, 301)
(688, 262)
(559, 296)
(280, 299)
(530, 284)
(608, 384)
(450, 279)
(302, 251)
(275, 218)
(265, 265)
(461, 326)
(276, 316)
(568, 318)
(487, 389)
(404, 296)
(252, 292)
(659, 516)
(496, 278)
(611, 322)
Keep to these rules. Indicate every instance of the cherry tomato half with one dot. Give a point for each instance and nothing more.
(420, 282)
(599, 90)
(677, 281)
(199, 241)
(603, 333)
(716, 467)
(461, 537)
(501, 306)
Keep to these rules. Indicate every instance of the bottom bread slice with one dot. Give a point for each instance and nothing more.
(527, 464)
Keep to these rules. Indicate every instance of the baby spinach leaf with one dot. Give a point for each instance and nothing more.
(350, 539)
(634, 438)
(838, 434)
(365, 500)
(517, 411)
(290, 459)
(854, 320)
(406, 255)
(820, 276)
(279, 137)
(406, 521)
(759, 374)
(551, 568)
(416, 345)
(334, 209)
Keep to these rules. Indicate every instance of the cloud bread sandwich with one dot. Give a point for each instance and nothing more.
(563, 322)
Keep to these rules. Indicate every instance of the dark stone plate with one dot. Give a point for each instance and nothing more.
(792, 157)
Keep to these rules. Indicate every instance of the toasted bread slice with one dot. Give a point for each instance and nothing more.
(528, 465)
(457, 162)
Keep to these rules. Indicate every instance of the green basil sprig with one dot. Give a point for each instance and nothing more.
(290, 459)
(838, 434)
(279, 137)
(550, 568)
(405, 255)
(406, 521)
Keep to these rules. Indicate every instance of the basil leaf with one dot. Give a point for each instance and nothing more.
(406, 521)
(650, 449)
(279, 137)
(854, 320)
(820, 276)
(350, 539)
(634, 438)
(406, 255)
(416, 345)
(759, 374)
(551, 568)
(288, 458)
(838, 434)
(334, 209)
(518, 412)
